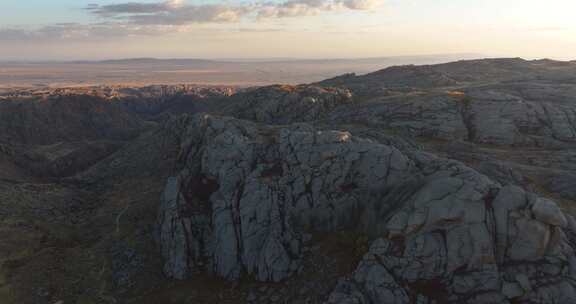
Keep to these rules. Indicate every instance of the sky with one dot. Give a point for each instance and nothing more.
(92, 29)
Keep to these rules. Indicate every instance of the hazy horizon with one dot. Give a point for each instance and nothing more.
(242, 72)
(454, 56)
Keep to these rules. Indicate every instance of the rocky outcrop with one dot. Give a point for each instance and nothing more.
(155, 100)
(488, 115)
(255, 186)
(287, 104)
(244, 194)
(423, 116)
(147, 101)
(501, 118)
(511, 248)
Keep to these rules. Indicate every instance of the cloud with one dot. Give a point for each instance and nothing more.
(189, 15)
(175, 16)
(296, 8)
(361, 4)
(176, 12)
(133, 8)
(78, 32)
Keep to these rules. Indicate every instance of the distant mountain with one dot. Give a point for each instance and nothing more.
(231, 71)
(148, 61)
(390, 59)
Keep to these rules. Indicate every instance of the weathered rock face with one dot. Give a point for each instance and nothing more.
(437, 116)
(508, 247)
(244, 194)
(490, 115)
(502, 118)
(563, 184)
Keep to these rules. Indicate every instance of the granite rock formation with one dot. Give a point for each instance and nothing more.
(246, 194)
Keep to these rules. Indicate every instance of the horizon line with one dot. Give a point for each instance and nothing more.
(261, 59)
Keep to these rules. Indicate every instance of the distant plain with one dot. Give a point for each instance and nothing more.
(144, 71)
